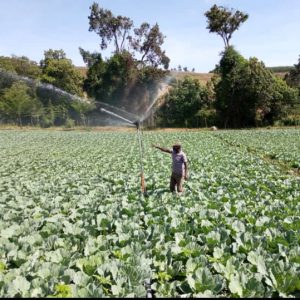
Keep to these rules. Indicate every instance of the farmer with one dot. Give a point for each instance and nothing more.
(179, 167)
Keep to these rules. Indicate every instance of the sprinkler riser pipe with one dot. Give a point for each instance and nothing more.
(137, 123)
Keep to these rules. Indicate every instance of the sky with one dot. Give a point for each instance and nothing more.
(271, 33)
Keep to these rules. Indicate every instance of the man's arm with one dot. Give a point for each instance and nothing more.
(186, 170)
(162, 149)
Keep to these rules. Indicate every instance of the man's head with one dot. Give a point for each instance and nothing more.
(177, 147)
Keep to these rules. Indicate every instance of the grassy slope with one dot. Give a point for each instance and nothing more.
(202, 77)
(205, 77)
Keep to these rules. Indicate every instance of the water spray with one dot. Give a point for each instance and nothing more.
(136, 123)
(117, 116)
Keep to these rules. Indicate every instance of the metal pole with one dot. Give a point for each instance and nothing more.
(137, 124)
(143, 186)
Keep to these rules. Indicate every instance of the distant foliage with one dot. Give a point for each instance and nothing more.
(22, 66)
(280, 69)
(182, 103)
(16, 102)
(293, 77)
(24, 100)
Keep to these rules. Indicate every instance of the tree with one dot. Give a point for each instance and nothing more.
(48, 116)
(247, 93)
(145, 41)
(224, 22)
(207, 116)
(107, 80)
(6, 64)
(60, 72)
(52, 55)
(82, 108)
(94, 82)
(16, 102)
(20, 65)
(109, 27)
(293, 77)
(26, 67)
(128, 79)
(182, 103)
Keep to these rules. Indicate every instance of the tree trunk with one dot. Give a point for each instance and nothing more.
(20, 121)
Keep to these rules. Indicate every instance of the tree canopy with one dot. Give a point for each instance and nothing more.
(181, 104)
(224, 22)
(16, 101)
(144, 42)
(60, 72)
(22, 66)
(247, 93)
(110, 27)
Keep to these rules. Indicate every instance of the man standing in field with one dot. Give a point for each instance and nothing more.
(179, 167)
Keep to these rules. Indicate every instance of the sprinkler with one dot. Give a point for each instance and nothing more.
(137, 123)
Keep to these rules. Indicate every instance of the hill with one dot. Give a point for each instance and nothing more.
(203, 77)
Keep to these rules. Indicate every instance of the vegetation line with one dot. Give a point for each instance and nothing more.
(269, 158)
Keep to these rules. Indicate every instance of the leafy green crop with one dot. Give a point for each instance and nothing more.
(74, 223)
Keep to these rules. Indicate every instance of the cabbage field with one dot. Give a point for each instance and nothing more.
(75, 224)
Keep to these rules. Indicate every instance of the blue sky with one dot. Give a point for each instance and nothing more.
(272, 32)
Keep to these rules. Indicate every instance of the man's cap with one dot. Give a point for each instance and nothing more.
(177, 145)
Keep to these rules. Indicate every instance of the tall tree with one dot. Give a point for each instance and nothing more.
(147, 42)
(128, 79)
(109, 27)
(224, 22)
(144, 42)
(94, 81)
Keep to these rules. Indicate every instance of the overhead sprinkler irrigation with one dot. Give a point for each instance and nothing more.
(117, 116)
(136, 123)
(139, 119)
(163, 88)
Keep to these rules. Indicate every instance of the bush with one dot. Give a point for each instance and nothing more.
(69, 123)
(290, 120)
